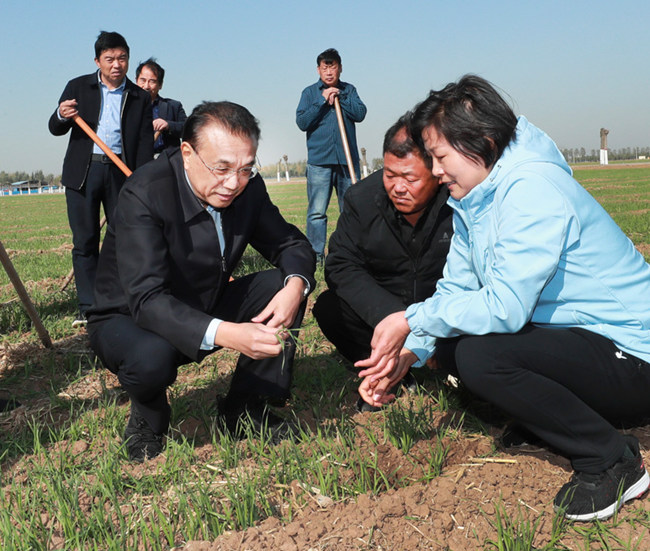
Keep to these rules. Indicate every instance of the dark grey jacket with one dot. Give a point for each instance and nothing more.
(368, 264)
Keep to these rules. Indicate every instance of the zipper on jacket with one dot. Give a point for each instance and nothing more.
(224, 266)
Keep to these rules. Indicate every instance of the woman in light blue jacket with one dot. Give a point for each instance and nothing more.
(544, 305)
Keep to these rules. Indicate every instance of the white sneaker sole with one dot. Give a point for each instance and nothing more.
(633, 492)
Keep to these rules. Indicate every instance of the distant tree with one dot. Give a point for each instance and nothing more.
(567, 154)
(376, 164)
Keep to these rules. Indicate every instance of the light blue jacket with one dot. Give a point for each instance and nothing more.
(530, 244)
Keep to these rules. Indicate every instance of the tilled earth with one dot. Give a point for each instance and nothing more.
(459, 510)
(456, 511)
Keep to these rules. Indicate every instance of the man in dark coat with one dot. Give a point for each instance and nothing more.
(163, 295)
(168, 114)
(120, 113)
(388, 249)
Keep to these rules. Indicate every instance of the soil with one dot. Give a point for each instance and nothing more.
(455, 511)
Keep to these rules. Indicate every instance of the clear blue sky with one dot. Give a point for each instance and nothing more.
(569, 66)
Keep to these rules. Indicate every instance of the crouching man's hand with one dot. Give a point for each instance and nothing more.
(282, 309)
(387, 342)
(255, 340)
(375, 391)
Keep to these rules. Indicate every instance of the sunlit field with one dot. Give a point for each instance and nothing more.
(67, 483)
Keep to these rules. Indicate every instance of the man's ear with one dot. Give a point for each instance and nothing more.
(186, 152)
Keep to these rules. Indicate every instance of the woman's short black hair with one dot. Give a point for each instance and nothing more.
(471, 115)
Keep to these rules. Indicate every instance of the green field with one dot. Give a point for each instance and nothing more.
(66, 482)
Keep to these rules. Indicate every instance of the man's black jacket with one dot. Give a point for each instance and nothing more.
(369, 265)
(161, 263)
(137, 127)
(172, 111)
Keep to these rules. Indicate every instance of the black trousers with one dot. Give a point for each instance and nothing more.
(343, 327)
(146, 364)
(568, 386)
(102, 186)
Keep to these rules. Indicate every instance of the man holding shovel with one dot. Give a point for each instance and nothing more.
(120, 113)
(327, 167)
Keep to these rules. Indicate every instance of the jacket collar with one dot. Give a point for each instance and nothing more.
(190, 204)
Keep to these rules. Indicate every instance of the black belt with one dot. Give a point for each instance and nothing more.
(104, 159)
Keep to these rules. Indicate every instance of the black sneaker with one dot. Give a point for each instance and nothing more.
(254, 418)
(141, 442)
(598, 496)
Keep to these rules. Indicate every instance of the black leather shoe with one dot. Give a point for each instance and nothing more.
(365, 407)
(141, 442)
(253, 417)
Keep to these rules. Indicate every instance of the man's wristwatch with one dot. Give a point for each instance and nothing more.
(307, 288)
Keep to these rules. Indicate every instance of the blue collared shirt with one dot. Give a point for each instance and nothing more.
(318, 118)
(109, 127)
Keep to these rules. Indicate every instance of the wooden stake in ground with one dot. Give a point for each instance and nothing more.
(24, 297)
(344, 139)
(118, 162)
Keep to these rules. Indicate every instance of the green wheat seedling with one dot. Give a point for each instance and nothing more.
(518, 532)
(405, 424)
(67, 484)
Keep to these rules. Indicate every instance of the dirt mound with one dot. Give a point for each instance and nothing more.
(458, 510)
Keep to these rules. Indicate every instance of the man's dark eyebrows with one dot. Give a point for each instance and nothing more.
(223, 162)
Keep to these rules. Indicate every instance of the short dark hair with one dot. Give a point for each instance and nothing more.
(233, 117)
(109, 41)
(402, 144)
(329, 56)
(471, 115)
(154, 67)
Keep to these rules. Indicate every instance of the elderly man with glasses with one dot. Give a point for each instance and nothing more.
(165, 297)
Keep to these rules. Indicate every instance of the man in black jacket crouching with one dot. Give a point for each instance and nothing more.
(163, 295)
(389, 247)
